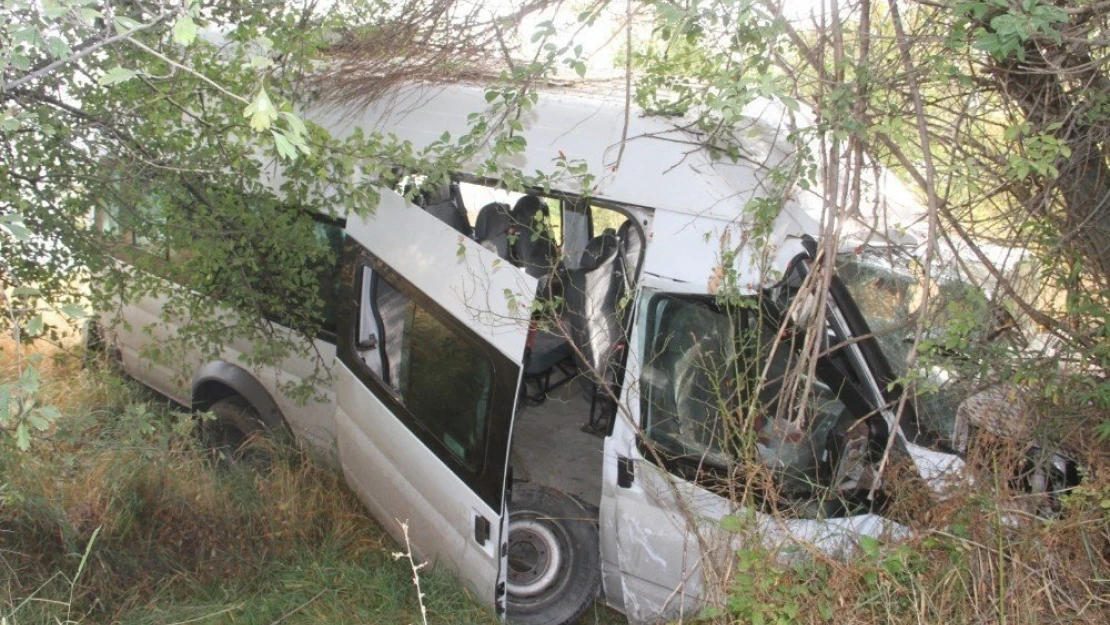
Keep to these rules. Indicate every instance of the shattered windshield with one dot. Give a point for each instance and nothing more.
(888, 288)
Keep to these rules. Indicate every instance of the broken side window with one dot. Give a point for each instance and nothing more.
(721, 387)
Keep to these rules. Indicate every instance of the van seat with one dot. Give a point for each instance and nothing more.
(534, 251)
(445, 204)
(493, 227)
(591, 293)
(546, 353)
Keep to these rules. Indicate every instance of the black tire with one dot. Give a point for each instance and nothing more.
(96, 346)
(231, 435)
(554, 557)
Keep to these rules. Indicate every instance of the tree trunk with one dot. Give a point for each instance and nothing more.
(1078, 201)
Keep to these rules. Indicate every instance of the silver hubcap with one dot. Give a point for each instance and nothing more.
(534, 558)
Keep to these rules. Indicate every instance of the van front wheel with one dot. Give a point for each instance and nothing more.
(554, 572)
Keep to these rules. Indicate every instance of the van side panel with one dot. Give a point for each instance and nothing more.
(144, 328)
(402, 482)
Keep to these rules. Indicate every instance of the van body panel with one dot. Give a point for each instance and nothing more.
(647, 545)
(313, 418)
(661, 166)
(690, 250)
(401, 482)
(403, 467)
(142, 328)
(485, 293)
(146, 327)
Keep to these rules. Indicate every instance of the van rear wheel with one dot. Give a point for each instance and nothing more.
(554, 572)
(231, 435)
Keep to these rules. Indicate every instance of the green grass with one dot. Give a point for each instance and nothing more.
(116, 517)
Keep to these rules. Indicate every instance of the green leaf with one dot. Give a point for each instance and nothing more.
(29, 381)
(124, 24)
(261, 111)
(35, 326)
(116, 75)
(25, 290)
(284, 147)
(75, 311)
(295, 123)
(18, 230)
(731, 523)
(260, 62)
(22, 436)
(869, 545)
(185, 30)
(57, 48)
(53, 10)
(49, 413)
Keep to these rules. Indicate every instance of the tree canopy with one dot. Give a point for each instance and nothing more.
(168, 119)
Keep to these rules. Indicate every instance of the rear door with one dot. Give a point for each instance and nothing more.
(431, 337)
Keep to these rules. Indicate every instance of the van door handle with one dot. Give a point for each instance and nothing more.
(626, 472)
(481, 530)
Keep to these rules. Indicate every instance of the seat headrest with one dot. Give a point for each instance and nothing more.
(524, 212)
(432, 195)
(600, 249)
(494, 219)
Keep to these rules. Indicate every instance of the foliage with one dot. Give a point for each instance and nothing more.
(173, 137)
(991, 109)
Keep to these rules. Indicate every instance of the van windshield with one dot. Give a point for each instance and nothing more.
(888, 290)
(720, 388)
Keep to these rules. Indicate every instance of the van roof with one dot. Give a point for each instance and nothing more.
(664, 165)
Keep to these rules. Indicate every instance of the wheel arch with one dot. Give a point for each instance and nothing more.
(220, 379)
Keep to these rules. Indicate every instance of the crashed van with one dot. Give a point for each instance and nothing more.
(547, 386)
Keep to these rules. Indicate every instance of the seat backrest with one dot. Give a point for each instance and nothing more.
(590, 297)
(632, 243)
(492, 227)
(445, 204)
(534, 250)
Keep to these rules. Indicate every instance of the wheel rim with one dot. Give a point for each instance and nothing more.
(535, 558)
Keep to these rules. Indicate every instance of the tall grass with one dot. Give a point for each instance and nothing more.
(978, 555)
(115, 516)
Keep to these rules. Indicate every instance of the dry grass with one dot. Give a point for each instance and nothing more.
(978, 556)
(177, 540)
(169, 534)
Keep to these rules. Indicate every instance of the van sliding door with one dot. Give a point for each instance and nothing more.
(431, 339)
